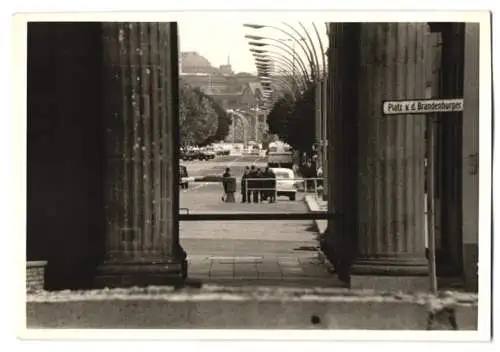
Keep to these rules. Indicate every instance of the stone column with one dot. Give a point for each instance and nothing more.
(342, 104)
(318, 125)
(470, 155)
(391, 154)
(140, 109)
(449, 144)
(324, 135)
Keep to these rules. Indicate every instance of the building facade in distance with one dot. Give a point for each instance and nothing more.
(233, 91)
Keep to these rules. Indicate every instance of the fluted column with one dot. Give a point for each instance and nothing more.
(318, 125)
(324, 136)
(140, 105)
(470, 155)
(338, 242)
(391, 151)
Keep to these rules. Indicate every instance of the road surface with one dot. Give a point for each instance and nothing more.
(265, 252)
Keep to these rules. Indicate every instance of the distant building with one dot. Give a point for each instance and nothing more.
(231, 90)
(236, 91)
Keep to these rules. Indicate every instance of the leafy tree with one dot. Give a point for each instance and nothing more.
(301, 122)
(223, 122)
(279, 112)
(294, 120)
(202, 120)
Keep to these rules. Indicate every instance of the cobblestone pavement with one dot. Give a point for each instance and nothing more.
(260, 252)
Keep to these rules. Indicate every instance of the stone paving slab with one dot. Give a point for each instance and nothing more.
(304, 268)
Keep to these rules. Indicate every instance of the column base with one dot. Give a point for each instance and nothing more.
(390, 274)
(142, 274)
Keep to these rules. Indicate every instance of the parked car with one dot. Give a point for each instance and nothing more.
(183, 175)
(206, 154)
(286, 183)
(189, 154)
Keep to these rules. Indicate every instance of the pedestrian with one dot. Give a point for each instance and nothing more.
(319, 174)
(257, 186)
(251, 179)
(264, 185)
(225, 176)
(308, 173)
(272, 185)
(244, 186)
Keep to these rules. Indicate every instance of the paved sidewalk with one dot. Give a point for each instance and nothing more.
(242, 260)
(266, 269)
(281, 253)
(316, 204)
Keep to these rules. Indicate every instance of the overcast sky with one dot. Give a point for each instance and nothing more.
(215, 40)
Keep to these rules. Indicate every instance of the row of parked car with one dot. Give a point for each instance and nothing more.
(204, 153)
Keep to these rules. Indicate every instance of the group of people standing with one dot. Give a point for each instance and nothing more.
(257, 185)
(310, 171)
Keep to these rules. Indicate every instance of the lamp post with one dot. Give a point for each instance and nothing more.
(277, 56)
(322, 49)
(243, 119)
(255, 116)
(290, 85)
(259, 58)
(312, 49)
(294, 53)
(256, 123)
(265, 72)
(257, 42)
(266, 68)
(301, 42)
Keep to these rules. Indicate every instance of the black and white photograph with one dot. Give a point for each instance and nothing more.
(260, 171)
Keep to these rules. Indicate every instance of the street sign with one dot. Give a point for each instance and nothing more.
(428, 108)
(403, 107)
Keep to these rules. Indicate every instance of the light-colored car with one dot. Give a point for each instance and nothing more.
(286, 183)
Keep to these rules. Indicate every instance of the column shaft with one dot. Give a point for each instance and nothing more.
(324, 135)
(449, 187)
(338, 243)
(391, 151)
(141, 228)
(470, 157)
(318, 120)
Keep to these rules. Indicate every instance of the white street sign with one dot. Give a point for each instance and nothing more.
(403, 107)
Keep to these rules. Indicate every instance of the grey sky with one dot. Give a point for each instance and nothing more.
(215, 40)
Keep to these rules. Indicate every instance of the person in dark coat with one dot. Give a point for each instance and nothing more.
(267, 184)
(264, 185)
(225, 176)
(272, 185)
(244, 191)
(251, 183)
(308, 174)
(257, 194)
